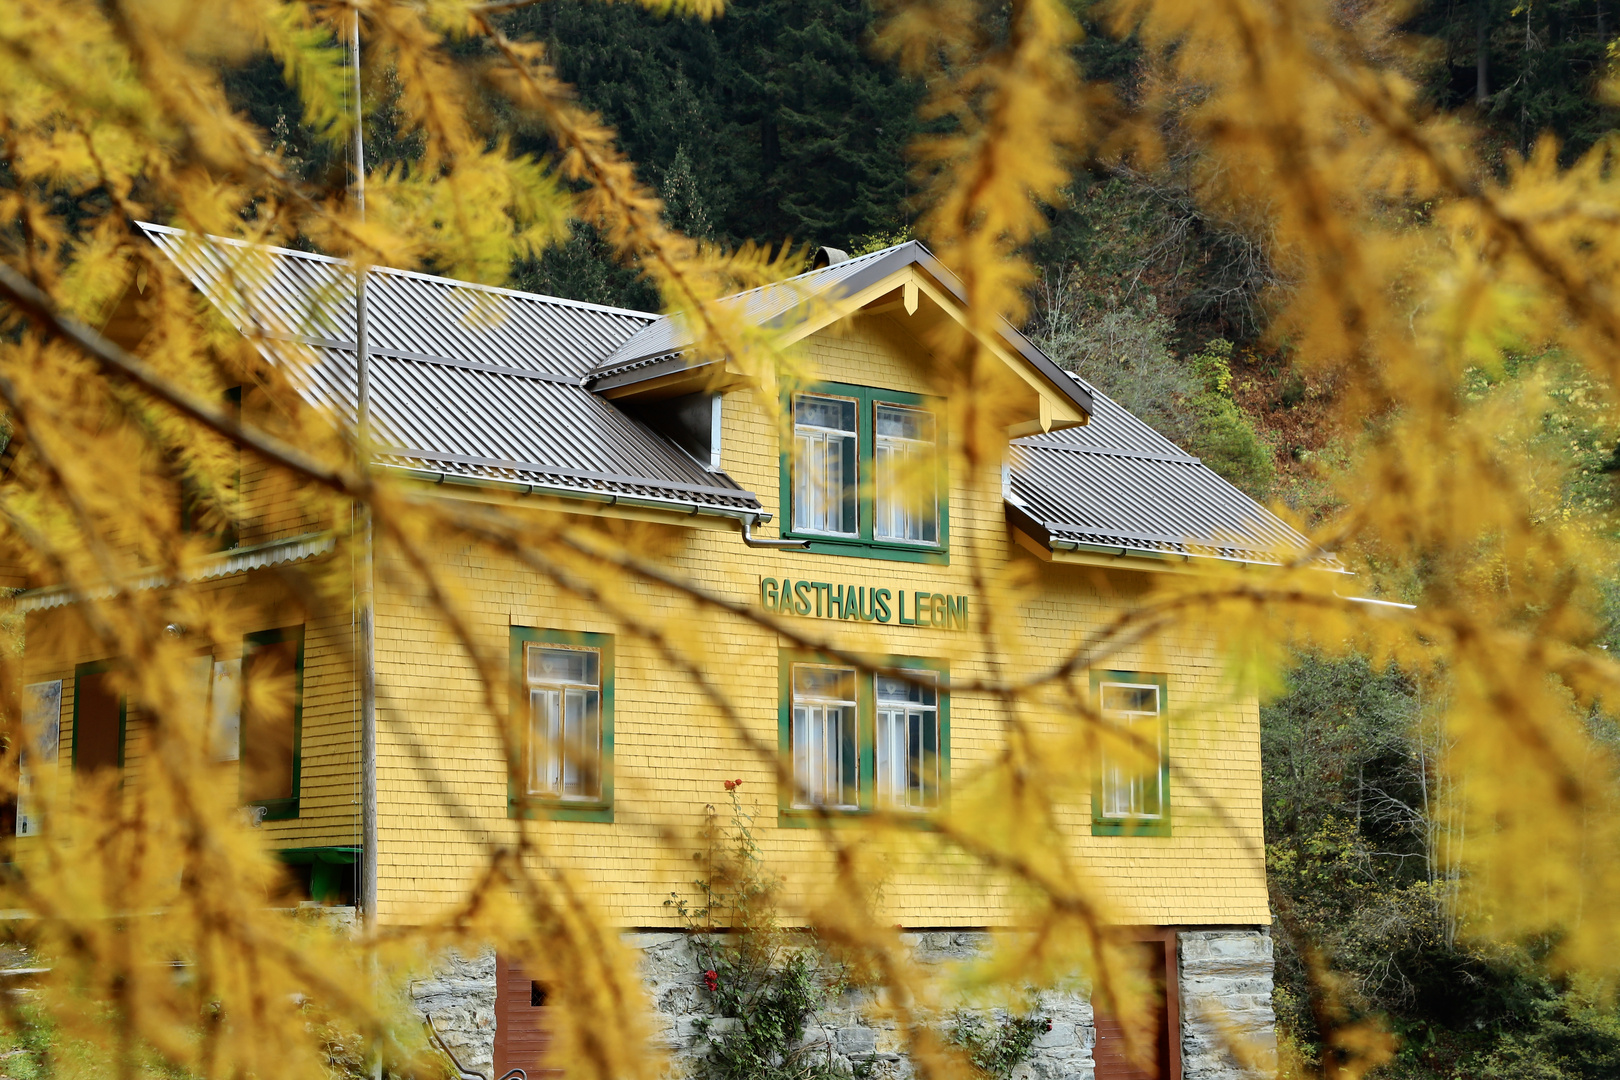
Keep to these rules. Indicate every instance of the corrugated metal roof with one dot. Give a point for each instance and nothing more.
(473, 383)
(657, 347)
(467, 380)
(276, 291)
(225, 564)
(1118, 484)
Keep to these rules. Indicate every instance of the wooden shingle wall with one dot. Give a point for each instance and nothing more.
(443, 789)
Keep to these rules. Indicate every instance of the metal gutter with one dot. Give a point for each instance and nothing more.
(226, 564)
(747, 518)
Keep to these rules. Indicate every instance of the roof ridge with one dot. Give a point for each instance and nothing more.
(315, 256)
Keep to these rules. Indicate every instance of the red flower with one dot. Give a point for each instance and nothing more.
(711, 979)
(733, 785)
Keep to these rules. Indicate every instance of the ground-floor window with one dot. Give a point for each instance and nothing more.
(826, 756)
(859, 740)
(100, 715)
(271, 722)
(325, 875)
(562, 687)
(907, 748)
(1132, 790)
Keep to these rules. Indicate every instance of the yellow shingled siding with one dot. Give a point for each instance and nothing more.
(328, 776)
(441, 775)
(443, 790)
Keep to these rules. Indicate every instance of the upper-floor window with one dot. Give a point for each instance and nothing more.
(865, 473)
(1133, 780)
(564, 681)
(906, 490)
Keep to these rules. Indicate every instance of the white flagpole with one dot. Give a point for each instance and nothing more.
(365, 599)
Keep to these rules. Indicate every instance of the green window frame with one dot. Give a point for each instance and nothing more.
(864, 540)
(1107, 818)
(97, 667)
(520, 803)
(280, 809)
(857, 752)
(328, 867)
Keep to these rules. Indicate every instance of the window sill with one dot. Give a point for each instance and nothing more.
(539, 809)
(868, 549)
(800, 817)
(1129, 827)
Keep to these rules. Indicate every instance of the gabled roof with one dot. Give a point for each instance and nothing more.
(659, 346)
(467, 380)
(1117, 486)
(480, 384)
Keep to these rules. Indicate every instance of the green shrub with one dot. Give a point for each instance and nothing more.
(995, 1050)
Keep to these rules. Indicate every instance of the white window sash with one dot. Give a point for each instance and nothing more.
(900, 747)
(1128, 794)
(565, 738)
(907, 496)
(818, 751)
(819, 481)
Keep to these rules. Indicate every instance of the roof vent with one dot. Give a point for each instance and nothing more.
(826, 256)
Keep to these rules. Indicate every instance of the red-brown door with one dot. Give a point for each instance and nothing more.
(1158, 951)
(522, 1022)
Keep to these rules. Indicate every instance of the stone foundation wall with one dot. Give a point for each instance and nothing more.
(1225, 981)
(460, 999)
(843, 1032)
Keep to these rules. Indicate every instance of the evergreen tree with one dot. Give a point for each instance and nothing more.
(790, 129)
(1529, 69)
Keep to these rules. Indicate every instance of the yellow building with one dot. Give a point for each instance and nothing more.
(823, 505)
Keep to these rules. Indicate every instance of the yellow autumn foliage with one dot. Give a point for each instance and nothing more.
(150, 899)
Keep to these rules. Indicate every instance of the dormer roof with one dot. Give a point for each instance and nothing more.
(802, 304)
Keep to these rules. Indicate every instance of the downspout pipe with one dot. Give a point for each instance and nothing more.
(765, 541)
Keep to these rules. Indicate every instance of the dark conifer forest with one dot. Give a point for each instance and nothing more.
(774, 123)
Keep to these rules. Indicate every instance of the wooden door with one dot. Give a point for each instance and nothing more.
(522, 1022)
(1158, 952)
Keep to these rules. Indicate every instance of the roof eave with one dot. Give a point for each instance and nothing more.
(1038, 537)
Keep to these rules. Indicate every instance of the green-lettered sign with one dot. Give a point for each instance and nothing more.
(825, 600)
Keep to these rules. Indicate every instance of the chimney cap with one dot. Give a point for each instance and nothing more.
(826, 256)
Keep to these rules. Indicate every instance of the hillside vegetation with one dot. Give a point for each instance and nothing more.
(775, 124)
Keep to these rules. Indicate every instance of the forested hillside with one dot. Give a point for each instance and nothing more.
(776, 124)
